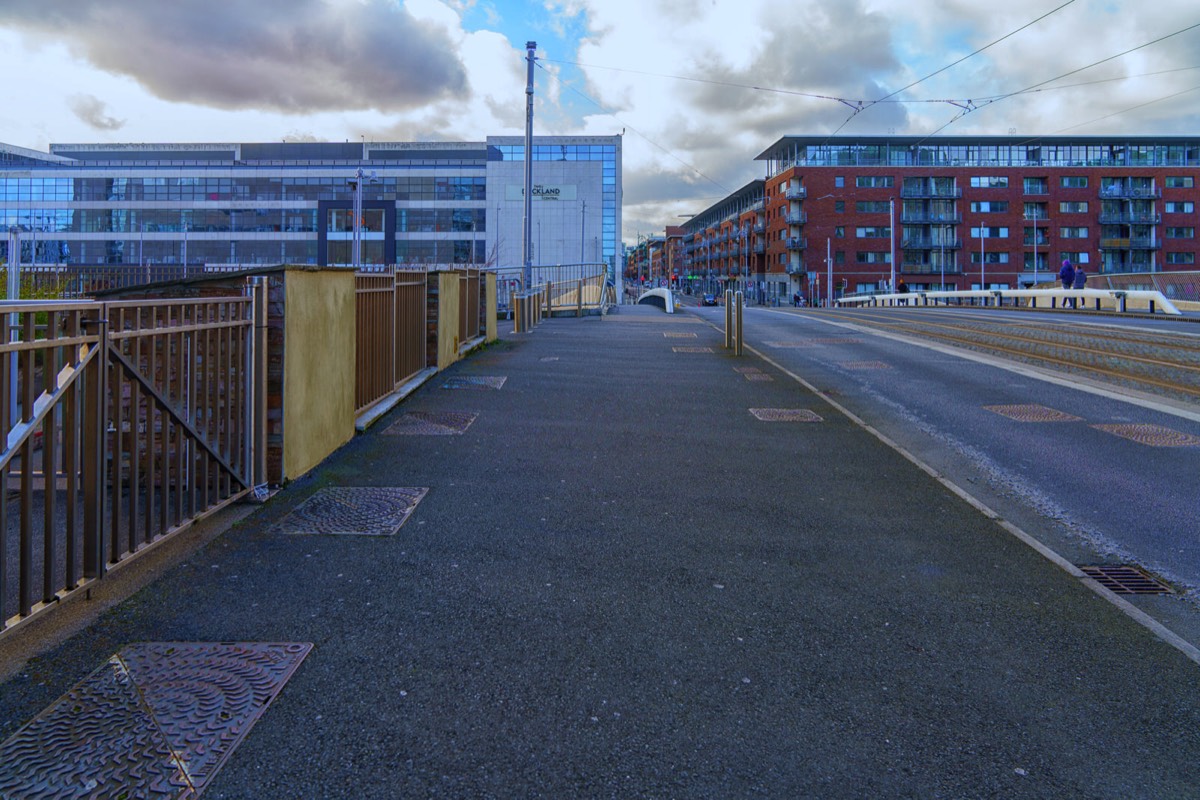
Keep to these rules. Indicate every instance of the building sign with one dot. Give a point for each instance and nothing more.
(541, 191)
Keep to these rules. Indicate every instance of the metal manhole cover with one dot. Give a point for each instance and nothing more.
(549, 358)
(782, 345)
(158, 720)
(475, 382)
(863, 365)
(691, 349)
(671, 335)
(431, 423)
(1152, 435)
(353, 511)
(1123, 579)
(1031, 412)
(758, 376)
(837, 340)
(785, 415)
(746, 370)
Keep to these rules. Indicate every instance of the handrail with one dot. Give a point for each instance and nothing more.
(1117, 298)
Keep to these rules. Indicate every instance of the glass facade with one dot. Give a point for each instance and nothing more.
(220, 204)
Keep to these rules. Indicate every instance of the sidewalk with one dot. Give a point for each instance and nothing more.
(621, 583)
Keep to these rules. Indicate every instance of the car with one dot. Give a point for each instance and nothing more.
(708, 300)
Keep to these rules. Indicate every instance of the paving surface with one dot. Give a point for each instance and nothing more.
(620, 581)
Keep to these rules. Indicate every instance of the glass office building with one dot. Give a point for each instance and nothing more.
(442, 203)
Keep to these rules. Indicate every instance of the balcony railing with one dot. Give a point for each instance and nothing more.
(928, 243)
(935, 192)
(929, 218)
(1130, 193)
(1130, 219)
(1132, 243)
(760, 248)
(797, 218)
(797, 243)
(796, 193)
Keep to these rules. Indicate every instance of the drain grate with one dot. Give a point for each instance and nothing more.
(671, 335)
(785, 415)
(353, 511)
(1152, 435)
(1031, 412)
(863, 365)
(1122, 579)
(746, 370)
(431, 423)
(762, 377)
(691, 349)
(475, 382)
(158, 720)
(838, 340)
(783, 345)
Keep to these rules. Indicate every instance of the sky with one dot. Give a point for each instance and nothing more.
(697, 87)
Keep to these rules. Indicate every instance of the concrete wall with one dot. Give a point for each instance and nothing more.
(319, 363)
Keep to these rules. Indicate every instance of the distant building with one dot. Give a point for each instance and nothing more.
(1000, 210)
(434, 203)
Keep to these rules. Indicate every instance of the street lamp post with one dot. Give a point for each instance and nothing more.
(828, 274)
(892, 240)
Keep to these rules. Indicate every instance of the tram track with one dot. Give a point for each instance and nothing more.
(1163, 364)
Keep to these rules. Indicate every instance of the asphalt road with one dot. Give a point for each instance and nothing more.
(622, 583)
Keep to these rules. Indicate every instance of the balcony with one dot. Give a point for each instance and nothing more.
(796, 193)
(795, 269)
(929, 218)
(1129, 219)
(797, 218)
(930, 192)
(759, 249)
(930, 269)
(1134, 243)
(760, 227)
(1123, 192)
(797, 243)
(929, 243)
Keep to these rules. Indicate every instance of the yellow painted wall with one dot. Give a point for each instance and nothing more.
(448, 319)
(493, 332)
(319, 367)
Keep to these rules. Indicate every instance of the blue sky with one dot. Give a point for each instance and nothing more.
(699, 87)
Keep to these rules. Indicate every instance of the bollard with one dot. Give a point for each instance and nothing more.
(738, 335)
(728, 318)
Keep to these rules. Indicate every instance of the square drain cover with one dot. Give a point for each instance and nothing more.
(863, 365)
(691, 349)
(158, 720)
(431, 423)
(758, 376)
(837, 340)
(1123, 579)
(353, 511)
(783, 345)
(475, 382)
(785, 415)
(670, 335)
(1152, 435)
(1031, 412)
(746, 370)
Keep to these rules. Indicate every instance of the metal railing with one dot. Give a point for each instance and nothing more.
(390, 315)
(469, 294)
(126, 421)
(1117, 300)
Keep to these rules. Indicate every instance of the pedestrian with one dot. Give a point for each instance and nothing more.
(1066, 274)
(796, 299)
(1078, 282)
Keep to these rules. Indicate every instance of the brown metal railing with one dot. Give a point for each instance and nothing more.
(468, 303)
(125, 422)
(390, 332)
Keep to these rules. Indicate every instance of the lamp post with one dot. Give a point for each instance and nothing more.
(582, 227)
(828, 275)
(892, 240)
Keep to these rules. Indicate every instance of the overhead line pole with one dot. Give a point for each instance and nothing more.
(527, 236)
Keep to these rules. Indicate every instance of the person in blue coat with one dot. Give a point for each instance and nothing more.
(1067, 274)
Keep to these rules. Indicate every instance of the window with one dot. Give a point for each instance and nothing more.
(872, 207)
(1036, 211)
(875, 232)
(1036, 186)
(1074, 182)
(839, 181)
(839, 256)
(1076, 258)
(1068, 207)
(874, 182)
(1181, 233)
(990, 258)
(872, 257)
(1181, 258)
(1073, 233)
(1183, 182)
(989, 233)
(839, 232)
(989, 182)
(989, 206)
(1186, 207)
(839, 206)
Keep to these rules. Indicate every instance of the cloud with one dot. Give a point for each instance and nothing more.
(290, 56)
(94, 113)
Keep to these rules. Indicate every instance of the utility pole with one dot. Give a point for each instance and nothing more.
(527, 239)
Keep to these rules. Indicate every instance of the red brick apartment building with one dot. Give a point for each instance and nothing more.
(962, 212)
